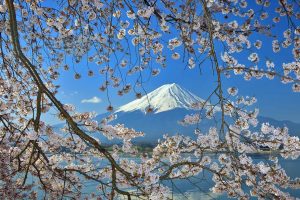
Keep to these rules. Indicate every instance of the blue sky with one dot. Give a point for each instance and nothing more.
(275, 99)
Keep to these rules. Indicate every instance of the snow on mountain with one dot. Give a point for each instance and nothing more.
(167, 97)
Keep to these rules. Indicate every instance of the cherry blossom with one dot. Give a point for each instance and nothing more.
(129, 42)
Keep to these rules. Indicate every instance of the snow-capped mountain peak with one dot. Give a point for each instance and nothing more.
(167, 97)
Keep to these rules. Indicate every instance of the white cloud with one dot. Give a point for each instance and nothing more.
(91, 100)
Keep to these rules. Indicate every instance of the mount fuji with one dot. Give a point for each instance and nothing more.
(169, 104)
(164, 98)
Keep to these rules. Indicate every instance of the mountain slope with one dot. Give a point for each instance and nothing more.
(155, 125)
